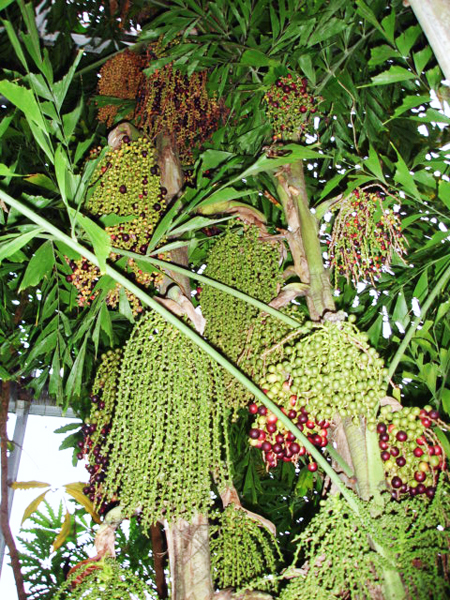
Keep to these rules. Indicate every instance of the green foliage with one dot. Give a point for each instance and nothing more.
(43, 569)
(241, 551)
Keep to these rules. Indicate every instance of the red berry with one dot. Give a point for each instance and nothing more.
(312, 466)
(310, 424)
(426, 422)
(254, 433)
(253, 409)
(385, 455)
(418, 452)
(396, 482)
(262, 410)
(420, 476)
(381, 428)
(394, 451)
(402, 436)
(271, 427)
(266, 446)
(401, 461)
(433, 414)
(294, 448)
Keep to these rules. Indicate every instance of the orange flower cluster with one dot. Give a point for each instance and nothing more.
(120, 77)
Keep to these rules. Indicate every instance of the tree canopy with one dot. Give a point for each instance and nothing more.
(224, 244)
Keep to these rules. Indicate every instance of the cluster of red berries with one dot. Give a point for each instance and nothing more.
(410, 451)
(98, 460)
(94, 446)
(179, 104)
(278, 443)
(290, 108)
(365, 235)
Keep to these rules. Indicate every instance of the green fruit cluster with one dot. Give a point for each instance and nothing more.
(412, 455)
(241, 551)
(104, 580)
(331, 370)
(338, 556)
(241, 260)
(169, 426)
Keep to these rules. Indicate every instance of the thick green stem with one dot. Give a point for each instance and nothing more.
(356, 439)
(445, 277)
(186, 330)
(293, 195)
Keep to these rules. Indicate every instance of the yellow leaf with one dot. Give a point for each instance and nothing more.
(63, 534)
(33, 506)
(76, 491)
(28, 485)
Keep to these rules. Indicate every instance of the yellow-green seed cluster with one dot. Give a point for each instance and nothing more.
(124, 182)
(241, 551)
(333, 369)
(168, 431)
(126, 189)
(104, 580)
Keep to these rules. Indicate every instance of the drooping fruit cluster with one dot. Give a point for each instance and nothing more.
(412, 455)
(339, 548)
(364, 237)
(170, 101)
(128, 196)
(242, 261)
(290, 108)
(104, 580)
(277, 442)
(169, 426)
(94, 447)
(120, 77)
(331, 370)
(241, 550)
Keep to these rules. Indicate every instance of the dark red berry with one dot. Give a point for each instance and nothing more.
(385, 455)
(401, 461)
(381, 428)
(312, 466)
(402, 436)
(420, 476)
(253, 408)
(69, 278)
(396, 482)
(294, 448)
(394, 451)
(254, 433)
(123, 189)
(266, 446)
(262, 410)
(433, 414)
